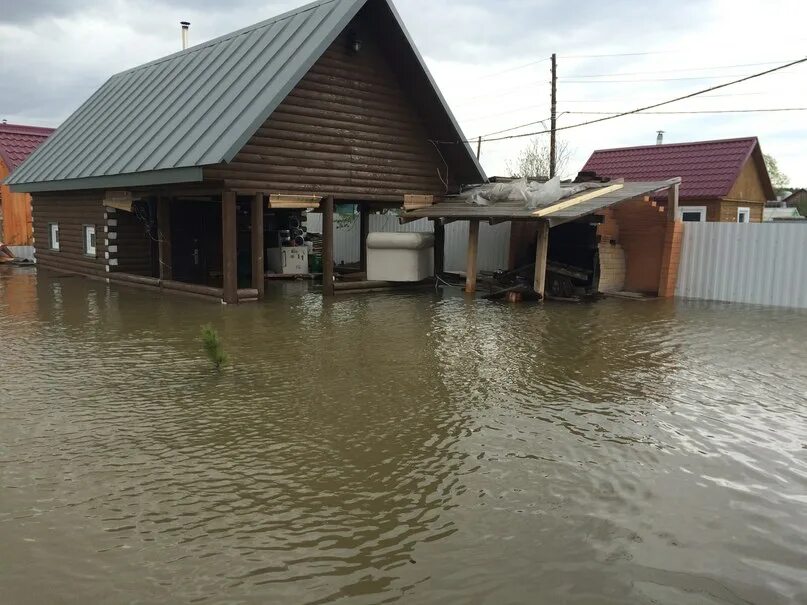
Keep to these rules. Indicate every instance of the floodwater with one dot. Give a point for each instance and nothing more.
(419, 448)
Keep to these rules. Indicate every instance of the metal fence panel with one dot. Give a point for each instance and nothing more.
(494, 240)
(758, 263)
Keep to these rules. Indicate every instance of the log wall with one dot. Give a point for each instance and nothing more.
(133, 242)
(71, 210)
(347, 129)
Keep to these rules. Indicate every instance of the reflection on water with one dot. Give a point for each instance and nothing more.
(418, 448)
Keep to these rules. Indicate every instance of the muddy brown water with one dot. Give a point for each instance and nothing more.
(398, 448)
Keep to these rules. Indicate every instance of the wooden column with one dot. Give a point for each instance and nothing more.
(229, 245)
(364, 220)
(258, 270)
(470, 264)
(327, 246)
(672, 202)
(164, 237)
(439, 247)
(541, 250)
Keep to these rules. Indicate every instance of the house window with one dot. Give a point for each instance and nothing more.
(743, 215)
(53, 236)
(89, 240)
(692, 214)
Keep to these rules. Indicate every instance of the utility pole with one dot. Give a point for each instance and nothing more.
(553, 118)
(478, 147)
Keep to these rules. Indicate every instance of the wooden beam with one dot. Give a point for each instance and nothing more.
(164, 237)
(364, 230)
(327, 246)
(229, 247)
(439, 247)
(578, 199)
(541, 250)
(470, 265)
(258, 269)
(672, 201)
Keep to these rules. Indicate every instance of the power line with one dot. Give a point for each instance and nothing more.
(642, 80)
(660, 113)
(671, 71)
(660, 52)
(505, 71)
(653, 106)
(618, 100)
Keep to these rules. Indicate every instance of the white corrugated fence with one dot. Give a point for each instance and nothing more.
(757, 263)
(494, 240)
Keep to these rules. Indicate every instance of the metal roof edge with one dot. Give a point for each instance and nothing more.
(191, 174)
(466, 145)
(298, 75)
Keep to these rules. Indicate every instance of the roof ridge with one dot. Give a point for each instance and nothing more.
(683, 144)
(233, 34)
(24, 129)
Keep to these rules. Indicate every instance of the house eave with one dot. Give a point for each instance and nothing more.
(191, 174)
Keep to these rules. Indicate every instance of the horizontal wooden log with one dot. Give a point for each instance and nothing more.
(348, 191)
(195, 288)
(324, 177)
(137, 279)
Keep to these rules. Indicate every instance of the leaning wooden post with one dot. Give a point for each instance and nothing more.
(258, 277)
(672, 201)
(439, 247)
(164, 237)
(541, 250)
(470, 265)
(229, 247)
(327, 246)
(364, 230)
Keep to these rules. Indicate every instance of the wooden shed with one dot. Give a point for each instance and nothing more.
(175, 173)
(17, 142)
(723, 181)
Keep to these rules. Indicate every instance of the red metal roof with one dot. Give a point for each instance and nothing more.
(708, 169)
(17, 142)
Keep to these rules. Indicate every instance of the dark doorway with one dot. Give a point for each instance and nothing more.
(196, 242)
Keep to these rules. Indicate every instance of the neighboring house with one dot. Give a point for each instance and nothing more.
(169, 175)
(724, 180)
(797, 199)
(17, 142)
(782, 214)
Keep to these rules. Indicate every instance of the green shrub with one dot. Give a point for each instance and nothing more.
(213, 347)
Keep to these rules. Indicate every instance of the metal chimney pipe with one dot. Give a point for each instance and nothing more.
(185, 25)
(660, 137)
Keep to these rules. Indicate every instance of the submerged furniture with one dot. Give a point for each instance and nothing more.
(399, 257)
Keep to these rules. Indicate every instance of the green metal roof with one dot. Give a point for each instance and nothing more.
(159, 122)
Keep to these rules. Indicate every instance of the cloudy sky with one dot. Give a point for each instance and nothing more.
(488, 56)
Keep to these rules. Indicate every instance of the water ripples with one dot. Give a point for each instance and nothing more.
(398, 448)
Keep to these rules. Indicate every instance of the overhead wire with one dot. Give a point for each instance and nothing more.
(704, 111)
(633, 111)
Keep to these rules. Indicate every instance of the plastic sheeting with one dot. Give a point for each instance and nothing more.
(532, 194)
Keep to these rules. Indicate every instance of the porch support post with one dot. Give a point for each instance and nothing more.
(672, 202)
(164, 237)
(470, 264)
(541, 250)
(327, 246)
(364, 224)
(229, 247)
(258, 277)
(439, 247)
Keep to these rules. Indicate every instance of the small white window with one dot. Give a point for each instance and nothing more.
(743, 215)
(692, 214)
(53, 235)
(89, 240)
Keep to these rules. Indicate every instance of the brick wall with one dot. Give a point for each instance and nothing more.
(671, 258)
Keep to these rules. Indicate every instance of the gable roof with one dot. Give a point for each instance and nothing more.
(708, 169)
(17, 142)
(162, 121)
